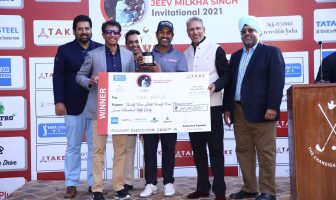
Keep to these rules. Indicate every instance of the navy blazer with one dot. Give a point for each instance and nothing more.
(68, 60)
(262, 86)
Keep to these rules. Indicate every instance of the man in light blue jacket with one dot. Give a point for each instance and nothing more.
(108, 58)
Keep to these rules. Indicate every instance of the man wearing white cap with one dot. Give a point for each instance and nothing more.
(252, 103)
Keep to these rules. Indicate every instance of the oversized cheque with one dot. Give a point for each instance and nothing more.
(133, 103)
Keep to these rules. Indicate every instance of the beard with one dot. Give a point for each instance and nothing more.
(249, 42)
(84, 38)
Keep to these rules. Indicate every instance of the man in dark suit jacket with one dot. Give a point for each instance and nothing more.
(252, 103)
(329, 69)
(70, 99)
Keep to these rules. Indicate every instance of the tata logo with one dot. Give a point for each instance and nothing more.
(282, 150)
(184, 154)
(5, 72)
(325, 23)
(293, 70)
(52, 130)
(282, 124)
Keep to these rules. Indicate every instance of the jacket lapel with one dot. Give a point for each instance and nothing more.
(253, 58)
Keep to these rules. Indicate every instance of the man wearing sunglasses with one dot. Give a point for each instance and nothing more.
(252, 103)
(167, 59)
(108, 58)
(70, 99)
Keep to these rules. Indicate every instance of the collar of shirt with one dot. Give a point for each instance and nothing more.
(109, 51)
(82, 48)
(156, 49)
(252, 49)
(195, 45)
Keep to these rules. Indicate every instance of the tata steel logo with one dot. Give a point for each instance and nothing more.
(328, 23)
(328, 145)
(184, 154)
(52, 130)
(282, 150)
(293, 70)
(282, 124)
(5, 72)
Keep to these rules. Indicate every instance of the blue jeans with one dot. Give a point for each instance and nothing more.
(76, 124)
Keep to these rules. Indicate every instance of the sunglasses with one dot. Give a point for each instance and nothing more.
(244, 31)
(109, 32)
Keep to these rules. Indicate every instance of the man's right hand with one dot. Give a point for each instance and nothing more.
(60, 109)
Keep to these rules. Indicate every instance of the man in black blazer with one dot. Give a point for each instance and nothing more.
(252, 103)
(329, 69)
(70, 99)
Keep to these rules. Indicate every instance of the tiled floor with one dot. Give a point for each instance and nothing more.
(54, 190)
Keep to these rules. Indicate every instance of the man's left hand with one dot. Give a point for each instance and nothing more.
(270, 114)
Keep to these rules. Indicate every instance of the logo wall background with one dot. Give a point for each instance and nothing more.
(294, 28)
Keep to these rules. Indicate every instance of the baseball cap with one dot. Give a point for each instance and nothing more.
(163, 24)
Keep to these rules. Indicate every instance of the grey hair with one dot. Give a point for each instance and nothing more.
(192, 19)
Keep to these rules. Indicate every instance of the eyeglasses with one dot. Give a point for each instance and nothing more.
(109, 32)
(244, 31)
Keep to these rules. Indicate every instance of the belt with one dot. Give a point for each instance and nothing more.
(238, 102)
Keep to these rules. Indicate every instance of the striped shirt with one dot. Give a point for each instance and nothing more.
(244, 61)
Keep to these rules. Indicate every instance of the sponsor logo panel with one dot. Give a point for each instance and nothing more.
(44, 103)
(296, 72)
(50, 130)
(52, 32)
(11, 4)
(282, 28)
(51, 157)
(44, 74)
(282, 151)
(13, 153)
(325, 25)
(10, 185)
(12, 32)
(12, 113)
(12, 73)
(282, 125)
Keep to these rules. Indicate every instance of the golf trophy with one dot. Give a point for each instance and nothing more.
(146, 42)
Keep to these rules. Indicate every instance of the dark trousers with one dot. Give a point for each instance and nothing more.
(168, 142)
(214, 140)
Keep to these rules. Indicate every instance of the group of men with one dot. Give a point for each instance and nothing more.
(253, 83)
